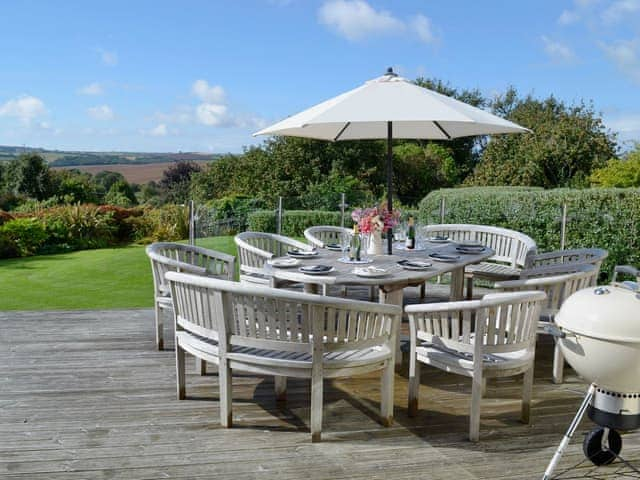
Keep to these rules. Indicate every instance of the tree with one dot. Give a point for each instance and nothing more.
(73, 186)
(566, 144)
(105, 179)
(466, 150)
(623, 172)
(418, 170)
(29, 175)
(121, 194)
(176, 180)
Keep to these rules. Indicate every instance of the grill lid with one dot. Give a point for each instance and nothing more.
(608, 312)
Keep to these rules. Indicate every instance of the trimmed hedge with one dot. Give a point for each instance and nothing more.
(294, 222)
(604, 218)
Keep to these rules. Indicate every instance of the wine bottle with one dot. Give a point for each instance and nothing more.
(354, 247)
(410, 242)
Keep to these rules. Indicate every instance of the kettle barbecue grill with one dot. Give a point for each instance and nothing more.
(598, 330)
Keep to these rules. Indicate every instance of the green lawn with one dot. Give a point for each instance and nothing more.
(89, 279)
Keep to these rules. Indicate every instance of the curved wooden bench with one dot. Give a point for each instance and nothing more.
(513, 250)
(267, 331)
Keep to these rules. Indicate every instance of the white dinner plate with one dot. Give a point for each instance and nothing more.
(355, 262)
(284, 262)
(444, 257)
(315, 270)
(414, 264)
(470, 250)
(438, 239)
(302, 253)
(403, 248)
(370, 272)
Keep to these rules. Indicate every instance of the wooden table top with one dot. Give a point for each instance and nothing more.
(343, 272)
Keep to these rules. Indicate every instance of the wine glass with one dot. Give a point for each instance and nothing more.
(345, 243)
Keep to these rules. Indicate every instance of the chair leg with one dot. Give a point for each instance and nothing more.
(159, 328)
(527, 391)
(386, 394)
(316, 405)
(414, 385)
(372, 293)
(201, 366)
(469, 279)
(225, 382)
(180, 373)
(280, 384)
(558, 364)
(474, 416)
(423, 290)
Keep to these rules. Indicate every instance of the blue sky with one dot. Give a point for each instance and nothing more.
(203, 75)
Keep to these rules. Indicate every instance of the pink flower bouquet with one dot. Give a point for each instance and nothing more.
(376, 219)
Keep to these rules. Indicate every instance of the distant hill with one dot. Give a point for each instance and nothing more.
(62, 158)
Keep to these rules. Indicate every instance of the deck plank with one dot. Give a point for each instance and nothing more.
(83, 394)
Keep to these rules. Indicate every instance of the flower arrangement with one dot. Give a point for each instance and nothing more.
(375, 219)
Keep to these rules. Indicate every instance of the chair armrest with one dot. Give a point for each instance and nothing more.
(524, 284)
(626, 269)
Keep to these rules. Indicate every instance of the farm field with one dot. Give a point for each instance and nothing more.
(140, 174)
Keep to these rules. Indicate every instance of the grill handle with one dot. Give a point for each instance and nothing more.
(554, 331)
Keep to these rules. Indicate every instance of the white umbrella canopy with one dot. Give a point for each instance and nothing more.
(391, 107)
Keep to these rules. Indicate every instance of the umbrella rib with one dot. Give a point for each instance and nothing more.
(444, 132)
(337, 137)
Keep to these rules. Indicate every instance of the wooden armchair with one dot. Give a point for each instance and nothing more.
(491, 337)
(322, 235)
(580, 256)
(179, 257)
(255, 248)
(559, 283)
(275, 332)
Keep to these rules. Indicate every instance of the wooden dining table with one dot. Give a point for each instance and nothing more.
(397, 277)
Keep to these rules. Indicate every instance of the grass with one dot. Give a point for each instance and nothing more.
(88, 279)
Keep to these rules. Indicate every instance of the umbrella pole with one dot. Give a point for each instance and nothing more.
(389, 181)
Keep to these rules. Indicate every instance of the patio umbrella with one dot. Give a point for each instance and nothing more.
(391, 107)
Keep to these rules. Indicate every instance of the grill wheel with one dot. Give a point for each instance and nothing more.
(596, 452)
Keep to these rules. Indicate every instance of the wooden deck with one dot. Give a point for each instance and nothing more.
(85, 395)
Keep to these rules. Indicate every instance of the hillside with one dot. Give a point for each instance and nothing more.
(63, 158)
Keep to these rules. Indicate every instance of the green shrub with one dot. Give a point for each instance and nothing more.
(604, 218)
(22, 237)
(294, 222)
(79, 227)
(168, 223)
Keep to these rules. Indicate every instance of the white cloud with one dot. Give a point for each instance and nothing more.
(567, 17)
(212, 114)
(25, 108)
(626, 55)
(208, 93)
(627, 125)
(421, 25)
(181, 114)
(108, 57)
(159, 131)
(92, 89)
(101, 112)
(357, 20)
(620, 10)
(557, 51)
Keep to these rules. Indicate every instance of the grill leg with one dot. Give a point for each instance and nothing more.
(572, 429)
